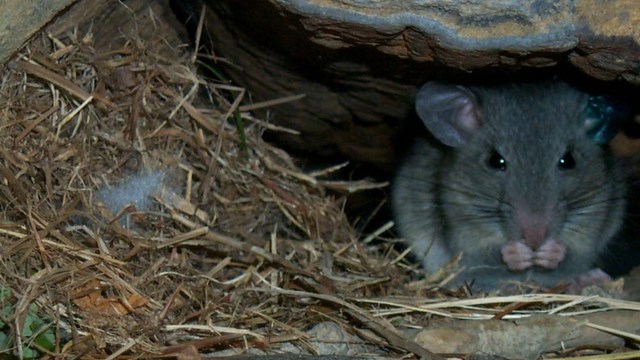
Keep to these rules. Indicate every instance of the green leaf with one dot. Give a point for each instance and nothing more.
(241, 133)
(29, 353)
(47, 339)
(33, 326)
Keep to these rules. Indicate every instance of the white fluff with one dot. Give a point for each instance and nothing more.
(137, 190)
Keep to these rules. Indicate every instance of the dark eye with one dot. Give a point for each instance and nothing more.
(496, 161)
(567, 162)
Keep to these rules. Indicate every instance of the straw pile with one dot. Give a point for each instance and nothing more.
(234, 211)
(239, 251)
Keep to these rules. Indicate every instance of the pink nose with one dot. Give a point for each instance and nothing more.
(534, 234)
(534, 228)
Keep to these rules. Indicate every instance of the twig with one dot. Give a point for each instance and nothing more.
(62, 82)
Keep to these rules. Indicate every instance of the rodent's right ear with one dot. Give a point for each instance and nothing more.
(448, 111)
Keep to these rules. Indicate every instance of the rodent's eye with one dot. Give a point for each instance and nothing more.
(567, 161)
(496, 161)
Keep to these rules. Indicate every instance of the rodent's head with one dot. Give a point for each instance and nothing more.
(523, 161)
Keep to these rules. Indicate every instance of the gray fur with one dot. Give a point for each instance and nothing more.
(446, 200)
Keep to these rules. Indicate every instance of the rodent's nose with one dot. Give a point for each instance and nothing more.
(534, 228)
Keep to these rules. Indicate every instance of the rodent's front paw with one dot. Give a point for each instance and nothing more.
(517, 255)
(550, 254)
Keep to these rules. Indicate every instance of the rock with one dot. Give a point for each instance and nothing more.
(22, 19)
(329, 338)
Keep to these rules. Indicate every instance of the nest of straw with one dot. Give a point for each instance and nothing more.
(234, 213)
(240, 250)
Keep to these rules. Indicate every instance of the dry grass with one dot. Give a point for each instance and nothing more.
(236, 214)
(241, 251)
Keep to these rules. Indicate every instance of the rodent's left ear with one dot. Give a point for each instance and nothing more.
(604, 117)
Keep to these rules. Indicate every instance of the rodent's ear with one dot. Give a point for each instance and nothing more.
(448, 111)
(605, 116)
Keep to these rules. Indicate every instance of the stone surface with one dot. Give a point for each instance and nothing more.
(329, 338)
(599, 36)
(21, 19)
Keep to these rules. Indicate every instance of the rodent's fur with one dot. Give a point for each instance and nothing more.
(448, 200)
